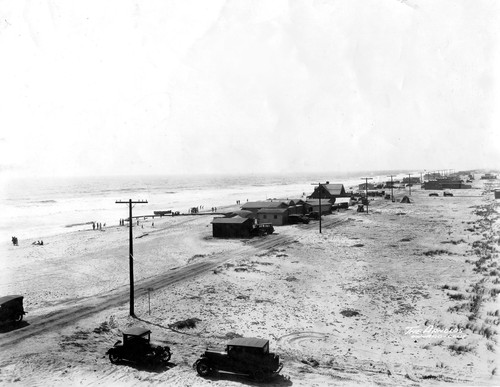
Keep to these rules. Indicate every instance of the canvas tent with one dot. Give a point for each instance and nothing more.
(405, 199)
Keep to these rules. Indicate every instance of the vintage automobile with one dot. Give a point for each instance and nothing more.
(313, 215)
(433, 194)
(296, 218)
(11, 309)
(136, 348)
(447, 193)
(245, 356)
(262, 229)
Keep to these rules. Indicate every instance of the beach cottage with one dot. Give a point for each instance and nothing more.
(328, 191)
(363, 186)
(275, 216)
(299, 207)
(256, 206)
(235, 227)
(312, 205)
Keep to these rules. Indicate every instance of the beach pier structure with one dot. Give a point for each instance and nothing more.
(131, 249)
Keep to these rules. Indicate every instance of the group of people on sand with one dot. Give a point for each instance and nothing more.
(38, 243)
(14, 241)
(98, 226)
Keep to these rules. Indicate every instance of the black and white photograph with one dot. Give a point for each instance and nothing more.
(285, 193)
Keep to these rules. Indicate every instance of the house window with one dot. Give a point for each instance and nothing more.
(275, 216)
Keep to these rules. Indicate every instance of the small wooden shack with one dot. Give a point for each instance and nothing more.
(312, 205)
(328, 191)
(235, 227)
(275, 216)
(256, 206)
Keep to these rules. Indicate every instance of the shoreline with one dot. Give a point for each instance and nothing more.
(335, 305)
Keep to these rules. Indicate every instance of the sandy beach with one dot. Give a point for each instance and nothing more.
(404, 295)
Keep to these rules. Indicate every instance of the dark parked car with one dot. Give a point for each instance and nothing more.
(447, 194)
(136, 348)
(11, 309)
(433, 194)
(262, 229)
(295, 218)
(245, 356)
(313, 215)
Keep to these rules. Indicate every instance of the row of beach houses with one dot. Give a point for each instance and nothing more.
(277, 211)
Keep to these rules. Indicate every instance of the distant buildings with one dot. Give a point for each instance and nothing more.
(445, 183)
(329, 191)
(364, 186)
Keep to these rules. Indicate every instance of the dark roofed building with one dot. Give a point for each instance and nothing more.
(312, 205)
(445, 184)
(329, 192)
(235, 227)
(256, 206)
(275, 216)
(242, 213)
(364, 186)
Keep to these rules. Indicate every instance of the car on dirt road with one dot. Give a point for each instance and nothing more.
(433, 194)
(137, 348)
(313, 215)
(244, 356)
(11, 309)
(262, 229)
(447, 193)
(296, 218)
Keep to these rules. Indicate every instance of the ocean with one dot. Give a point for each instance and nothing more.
(39, 207)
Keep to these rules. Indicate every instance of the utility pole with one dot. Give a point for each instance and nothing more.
(319, 196)
(392, 188)
(131, 249)
(366, 191)
(409, 183)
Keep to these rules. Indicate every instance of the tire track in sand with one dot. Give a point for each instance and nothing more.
(76, 309)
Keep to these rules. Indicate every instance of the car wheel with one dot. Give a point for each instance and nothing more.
(114, 358)
(168, 356)
(203, 368)
(259, 375)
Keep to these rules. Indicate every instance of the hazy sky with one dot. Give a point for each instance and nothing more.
(168, 87)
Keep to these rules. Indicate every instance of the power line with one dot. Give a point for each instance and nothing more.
(319, 196)
(131, 250)
(392, 188)
(366, 191)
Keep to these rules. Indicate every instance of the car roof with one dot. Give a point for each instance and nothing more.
(10, 298)
(248, 342)
(136, 331)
